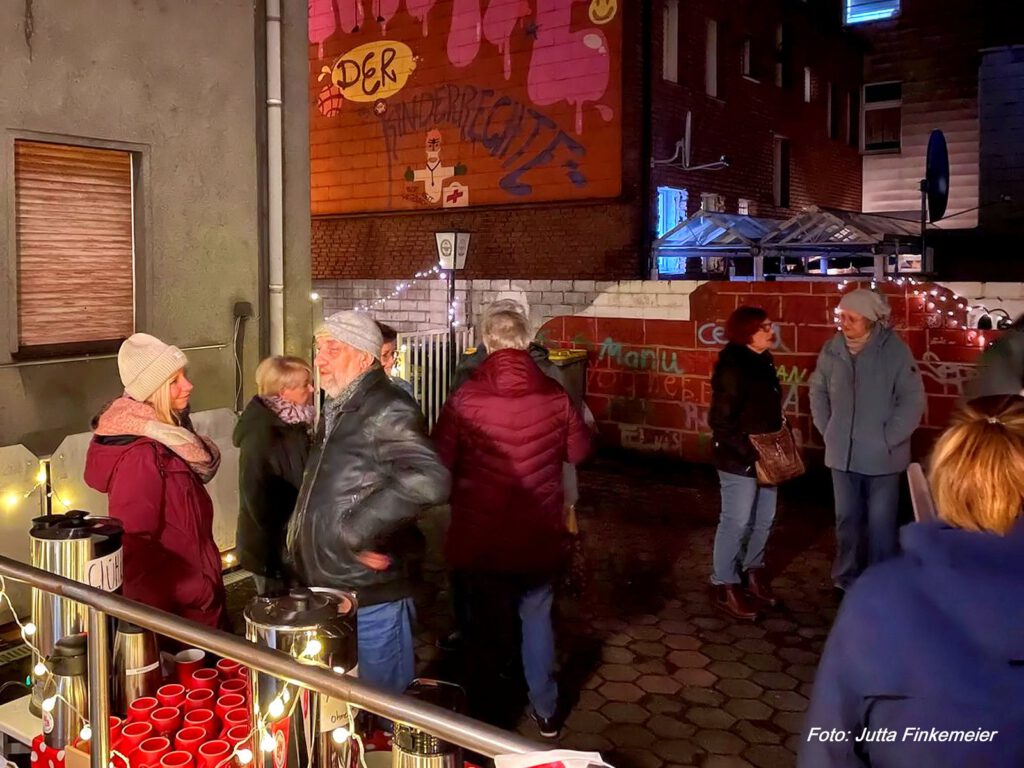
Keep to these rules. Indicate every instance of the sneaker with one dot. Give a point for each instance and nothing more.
(549, 727)
(451, 643)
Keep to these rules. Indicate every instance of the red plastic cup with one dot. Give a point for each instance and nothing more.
(199, 699)
(205, 679)
(133, 734)
(228, 667)
(150, 752)
(171, 695)
(228, 702)
(202, 718)
(188, 661)
(177, 759)
(234, 685)
(190, 739)
(114, 727)
(166, 720)
(140, 709)
(243, 674)
(239, 716)
(213, 753)
(237, 735)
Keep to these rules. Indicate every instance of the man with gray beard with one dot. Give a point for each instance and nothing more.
(371, 472)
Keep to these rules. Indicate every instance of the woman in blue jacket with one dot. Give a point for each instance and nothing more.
(925, 663)
(867, 398)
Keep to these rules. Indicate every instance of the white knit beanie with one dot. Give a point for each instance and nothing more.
(357, 329)
(145, 363)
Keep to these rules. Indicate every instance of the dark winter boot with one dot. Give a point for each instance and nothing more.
(759, 587)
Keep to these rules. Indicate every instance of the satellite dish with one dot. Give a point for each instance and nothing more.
(936, 176)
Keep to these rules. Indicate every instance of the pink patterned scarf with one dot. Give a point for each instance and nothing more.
(125, 416)
(287, 411)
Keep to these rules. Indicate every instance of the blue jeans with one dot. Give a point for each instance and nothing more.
(386, 656)
(866, 522)
(743, 527)
(509, 615)
(539, 649)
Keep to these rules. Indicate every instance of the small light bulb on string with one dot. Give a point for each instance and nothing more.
(29, 629)
(49, 704)
(276, 708)
(313, 648)
(244, 756)
(286, 696)
(339, 670)
(41, 476)
(40, 669)
(340, 735)
(268, 742)
(86, 733)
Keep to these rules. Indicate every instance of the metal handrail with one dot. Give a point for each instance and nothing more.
(471, 734)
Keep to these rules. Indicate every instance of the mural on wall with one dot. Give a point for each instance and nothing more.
(415, 104)
(649, 381)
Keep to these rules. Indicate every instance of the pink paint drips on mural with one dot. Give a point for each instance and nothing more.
(500, 20)
(419, 9)
(566, 65)
(350, 15)
(322, 23)
(465, 34)
(384, 11)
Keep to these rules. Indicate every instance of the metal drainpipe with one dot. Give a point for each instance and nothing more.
(275, 179)
(647, 140)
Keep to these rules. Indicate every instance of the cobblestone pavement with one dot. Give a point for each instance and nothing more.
(652, 675)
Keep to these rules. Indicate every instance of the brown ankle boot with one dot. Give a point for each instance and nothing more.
(759, 587)
(730, 599)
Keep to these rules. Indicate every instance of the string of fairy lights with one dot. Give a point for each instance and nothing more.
(399, 290)
(936, 301)
(241, 752)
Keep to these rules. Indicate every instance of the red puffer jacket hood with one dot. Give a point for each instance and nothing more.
(505, 435)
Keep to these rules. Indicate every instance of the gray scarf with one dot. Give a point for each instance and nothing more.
(333, 405)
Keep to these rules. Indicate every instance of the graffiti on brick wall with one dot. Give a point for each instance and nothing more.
(643, 359)
(791, 379)
(713, 335)
(952, 377)
(524, 81)
(524, 140)
(638, 438)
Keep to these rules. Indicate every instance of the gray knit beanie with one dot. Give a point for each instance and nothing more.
(357, 329)
(873, 306)
(145, 363)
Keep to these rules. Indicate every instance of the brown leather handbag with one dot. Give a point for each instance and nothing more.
(778, 459)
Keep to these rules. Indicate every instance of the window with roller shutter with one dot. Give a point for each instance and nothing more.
(75, 248)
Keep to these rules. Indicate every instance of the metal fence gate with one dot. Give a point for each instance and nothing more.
(425, 361)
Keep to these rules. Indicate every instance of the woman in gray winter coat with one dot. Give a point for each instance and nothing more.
(867, 398)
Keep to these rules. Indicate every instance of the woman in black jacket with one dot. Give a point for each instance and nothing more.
(746, 399)
(273, 434)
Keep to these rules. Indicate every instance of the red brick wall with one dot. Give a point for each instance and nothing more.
(743, 121)
(649, 381)
(589, 239)
(602, 239)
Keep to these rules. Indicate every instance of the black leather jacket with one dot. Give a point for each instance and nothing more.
(364, 487)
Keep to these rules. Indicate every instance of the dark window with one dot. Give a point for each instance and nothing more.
(780, 173)
(883, 108)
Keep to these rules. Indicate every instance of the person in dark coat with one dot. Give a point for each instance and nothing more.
(746, 399)
(272, 436)
(925, 663)
(371, 472)
(504, 435)
(999, 370)
(153, 467)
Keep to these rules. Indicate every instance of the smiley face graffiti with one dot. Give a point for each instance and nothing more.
(603, 11)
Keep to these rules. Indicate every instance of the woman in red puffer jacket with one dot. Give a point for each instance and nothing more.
(504, 436)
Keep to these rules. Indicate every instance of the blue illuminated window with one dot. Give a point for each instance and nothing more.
(671, 208)
(861, 11)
